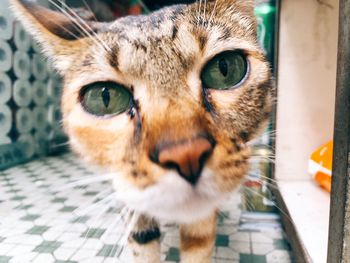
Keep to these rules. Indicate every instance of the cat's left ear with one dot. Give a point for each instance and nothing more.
(56, 32)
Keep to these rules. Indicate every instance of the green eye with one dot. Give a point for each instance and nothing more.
(105, 98)
(225, 71)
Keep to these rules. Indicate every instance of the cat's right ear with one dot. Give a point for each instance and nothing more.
(57, 33)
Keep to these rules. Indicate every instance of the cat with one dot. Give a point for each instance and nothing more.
(167, 102)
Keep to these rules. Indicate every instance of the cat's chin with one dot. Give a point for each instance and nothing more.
(172, 199)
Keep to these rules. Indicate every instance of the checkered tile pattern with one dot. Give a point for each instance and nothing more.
(39, 221)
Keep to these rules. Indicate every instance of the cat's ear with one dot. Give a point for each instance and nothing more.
(54, 31)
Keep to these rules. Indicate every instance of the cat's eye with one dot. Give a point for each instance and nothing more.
(105, 98)
(225, 71)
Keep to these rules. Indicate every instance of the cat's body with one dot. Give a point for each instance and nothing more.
(138, 101)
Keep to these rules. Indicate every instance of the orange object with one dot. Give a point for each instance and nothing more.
(320, 165)
(135, 10)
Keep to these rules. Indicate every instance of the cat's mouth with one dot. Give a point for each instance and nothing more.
(172, 198)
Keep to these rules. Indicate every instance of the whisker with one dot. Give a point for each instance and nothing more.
(86, 180)
(100, 203)
(257, 156)
(90, 10)
(77, 25)
(250, 205)
(212, 14)
(199, 12)
(256, 141)
(66, 29)
(262, 181)
(101, 210)
(205, 11)
(259, 159)
(120, 216)
(70, 223)
(84, 23)
(260, 176)
(60, 145)
(144, 7)
(222, 214)
(274, 204)
(76, 22)
(127, 233)
(96, 197)
(116, 255)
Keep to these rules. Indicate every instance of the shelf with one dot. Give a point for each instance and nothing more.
(308, 206)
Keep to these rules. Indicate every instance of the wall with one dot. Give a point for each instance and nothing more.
(307, 75)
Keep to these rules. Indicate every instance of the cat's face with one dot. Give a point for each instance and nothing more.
(166, 102)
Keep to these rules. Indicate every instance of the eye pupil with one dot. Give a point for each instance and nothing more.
(225, 71)
(106, 97)
(223, 67)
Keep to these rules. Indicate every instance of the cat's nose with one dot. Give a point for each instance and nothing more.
(187, 156)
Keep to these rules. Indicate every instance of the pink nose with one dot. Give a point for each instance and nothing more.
(187, 156)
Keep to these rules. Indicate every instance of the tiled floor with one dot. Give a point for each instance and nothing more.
(44, 219)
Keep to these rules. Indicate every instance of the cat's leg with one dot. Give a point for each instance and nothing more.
(144, 243)
(198, 240)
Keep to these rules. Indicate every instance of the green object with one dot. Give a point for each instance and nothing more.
(257, 196)
(105, 98)
(225, 71)
(265, 13)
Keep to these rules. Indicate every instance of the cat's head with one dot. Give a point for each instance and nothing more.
(166, 101)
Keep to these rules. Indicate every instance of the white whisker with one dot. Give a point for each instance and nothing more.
(258, 176)
(212, 14)
(86, 180)
(199, 12)
(144, 6)
(76, 22)
(70, 17)
(205, 11)
(115, 223)
(89, 9)
(83, 22)
(116, 255)
(274, 203)
(108, 198)
(101, 210)
(87, 204)
(128, 231)
(59, 145)
(262, 181)
(258, 158)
